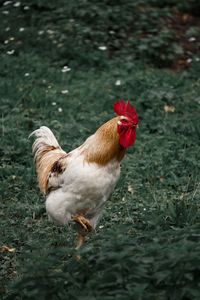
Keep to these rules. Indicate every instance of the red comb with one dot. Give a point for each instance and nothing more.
(126, 109)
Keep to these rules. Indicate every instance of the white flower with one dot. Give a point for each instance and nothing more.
(7, 29)
(144, 208)
(10, 52)
(60, 109)
(192, 39)
(102, 48)
(5, 12)
(26, 7)
(21, 29)
(60, 45)
(7, 3)
(111, 32)
(49, 31)
(40, 32)
(64, 92)
(6, 42)
(101, 226)
(118, 82)
(189, 60)
(197, 59)
(17, 4)
(65, 69)
(12, 38)
(53, 103)
(26, 74)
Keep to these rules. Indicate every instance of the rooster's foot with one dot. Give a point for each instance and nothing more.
(85, 223)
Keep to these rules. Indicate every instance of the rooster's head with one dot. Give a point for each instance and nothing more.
(127, 124)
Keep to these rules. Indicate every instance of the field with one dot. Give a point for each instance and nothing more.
(64, 66)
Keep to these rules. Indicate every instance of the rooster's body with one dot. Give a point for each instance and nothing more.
(77, 184)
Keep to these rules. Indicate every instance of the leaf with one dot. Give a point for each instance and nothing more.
(169, 108)
(5, 249)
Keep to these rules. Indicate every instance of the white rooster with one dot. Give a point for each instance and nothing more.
(77, 184)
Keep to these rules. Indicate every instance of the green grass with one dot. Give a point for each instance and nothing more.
(147, 244)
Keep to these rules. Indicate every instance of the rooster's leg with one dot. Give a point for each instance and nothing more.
(80, 241)
(83, 229)
(85, 223)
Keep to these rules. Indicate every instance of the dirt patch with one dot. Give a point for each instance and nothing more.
(187, 32)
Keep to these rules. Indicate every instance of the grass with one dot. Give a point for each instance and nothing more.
(147, 244)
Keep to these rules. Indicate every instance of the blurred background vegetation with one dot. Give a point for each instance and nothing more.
(163, 33)
(64, 64)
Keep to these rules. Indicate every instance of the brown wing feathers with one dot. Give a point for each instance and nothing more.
(48, 155)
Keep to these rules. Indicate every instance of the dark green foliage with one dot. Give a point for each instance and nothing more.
(164, 265)
(128, 29)
(147, 245)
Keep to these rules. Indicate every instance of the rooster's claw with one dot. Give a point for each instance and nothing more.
(85, 223)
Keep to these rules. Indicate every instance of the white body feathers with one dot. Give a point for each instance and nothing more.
(83, 188)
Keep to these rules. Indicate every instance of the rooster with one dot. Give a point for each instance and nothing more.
(77, 184)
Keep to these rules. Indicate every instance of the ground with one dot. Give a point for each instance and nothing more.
(64, 66)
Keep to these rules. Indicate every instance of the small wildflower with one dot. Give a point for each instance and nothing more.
(60, 109)
(49, 31)
(49, 86)
(10, 52)
(60, 45)
(101, 226)
(65, 69)
(6, 42)
(64, 92)
(53, 103)
(26, 74)
(192, 39)
(7, 3)
(7, 29)
(144, 209)
(12, 38)
(118, 82)
(111, 32)
(5, 12)
(197, 59)
(40, 32)
(17, 4)
(21, 29)
(189, 60)
(26, 7)
(102, 48)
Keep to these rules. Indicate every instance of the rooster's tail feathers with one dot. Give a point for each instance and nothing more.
(46, 151)
(44, 138)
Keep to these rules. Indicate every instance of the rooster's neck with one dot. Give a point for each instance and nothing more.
(104, 145)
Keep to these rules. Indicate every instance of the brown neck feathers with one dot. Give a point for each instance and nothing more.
(105, 146)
